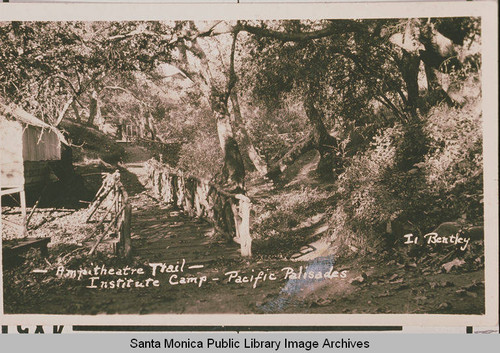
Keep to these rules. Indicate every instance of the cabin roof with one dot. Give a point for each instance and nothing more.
(23, 116)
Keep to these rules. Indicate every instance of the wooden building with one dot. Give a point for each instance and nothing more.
(27, 144)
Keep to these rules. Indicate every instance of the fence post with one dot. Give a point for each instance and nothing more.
(180, 191)
(164, 187)
(125, 234)
(197, 199)
(242, 222)
(153, 180)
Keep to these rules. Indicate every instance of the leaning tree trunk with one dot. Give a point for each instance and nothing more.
(233, 171)
(255, 158)
(436, 93)
(75, 110)
(95, 110)
(303, 146)
(329, 164)
(319, 138)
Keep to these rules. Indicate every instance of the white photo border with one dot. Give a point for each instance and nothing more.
(487, 10)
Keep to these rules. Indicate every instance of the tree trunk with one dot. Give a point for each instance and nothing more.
(432, 57)
(75, 110)
(253, 155)
(233, 171)
(150, 125)
(436, 91)
(291, 156)
(329, 164)
(438, 48)
(414, 145)
(95, 110)
(62, 114)
(410, 66)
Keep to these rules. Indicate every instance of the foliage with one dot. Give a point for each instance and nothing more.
(401, 97)
(402, 163)
(277, 222)
(454, 170)
(43, 64)
(275, 130)
(93, 144)
(191, 121)
(202, 157)
(446, 185)
(364, 202)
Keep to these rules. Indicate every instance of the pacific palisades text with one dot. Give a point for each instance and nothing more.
(249, 343)
(155, 274)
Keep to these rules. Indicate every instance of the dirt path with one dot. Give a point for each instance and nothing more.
(160, 233)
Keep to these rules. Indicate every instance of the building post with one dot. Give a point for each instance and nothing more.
(22, 198)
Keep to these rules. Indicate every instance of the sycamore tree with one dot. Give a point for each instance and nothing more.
(343, 70)
(48, 67)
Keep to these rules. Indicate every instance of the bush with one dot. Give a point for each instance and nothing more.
(275, 220)
(421, 175)
(454, 168)
(201, 157)
(94, 144)
(364, 202)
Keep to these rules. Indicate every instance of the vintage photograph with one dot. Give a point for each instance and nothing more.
(300, 166)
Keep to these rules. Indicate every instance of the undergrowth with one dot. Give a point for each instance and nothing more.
(89, 143)
(276, 225)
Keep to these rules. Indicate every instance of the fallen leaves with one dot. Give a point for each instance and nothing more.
(442, 284)
(359, 279)
(454, 263)
(444, 306)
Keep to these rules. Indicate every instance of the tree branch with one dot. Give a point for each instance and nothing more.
(232, 74)
(64, 110)
(331, 29)
(75, 91)
(136, 32)
(118, 88)
(171, 40)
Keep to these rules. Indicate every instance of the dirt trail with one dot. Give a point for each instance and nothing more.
(134, 163)
(162, 233)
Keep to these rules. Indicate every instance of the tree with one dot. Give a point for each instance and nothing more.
(47, 66)
(296, 59)
(217, 85)
(345, 61)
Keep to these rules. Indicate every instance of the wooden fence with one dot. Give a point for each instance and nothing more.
(127, 133)
(229, 213)
(113, 213)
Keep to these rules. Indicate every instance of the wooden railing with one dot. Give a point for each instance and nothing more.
(130, 132)
(229, 213)
(113, 213)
